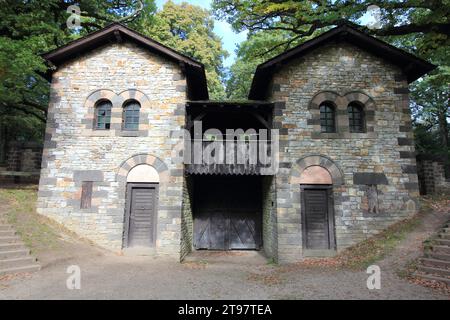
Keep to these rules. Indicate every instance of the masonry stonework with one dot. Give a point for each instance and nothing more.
(74, 152)
(432, 176)
(363, 181)
(342, 73)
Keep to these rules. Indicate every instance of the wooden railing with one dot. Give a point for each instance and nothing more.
(229, 157)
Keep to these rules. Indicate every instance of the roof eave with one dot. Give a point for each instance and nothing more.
(116, 32)
(415, 69)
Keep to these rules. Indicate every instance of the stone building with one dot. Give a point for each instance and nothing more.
(334, 112)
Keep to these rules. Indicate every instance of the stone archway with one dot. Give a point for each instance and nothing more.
(143, 173)
(140, 179)
(315, 176)
(140, 159)
(301, 164)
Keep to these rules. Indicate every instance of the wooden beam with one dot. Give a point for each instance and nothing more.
(197, 118)
(260, 119)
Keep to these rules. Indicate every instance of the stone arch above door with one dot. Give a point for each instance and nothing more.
(143, 173)
(315, 175)
(143, 159)
(302, 164)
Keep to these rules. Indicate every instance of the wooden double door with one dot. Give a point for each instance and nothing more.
(318, 217)
(227, 213)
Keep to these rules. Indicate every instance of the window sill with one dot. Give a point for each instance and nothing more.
(344, 135)
(129, 133)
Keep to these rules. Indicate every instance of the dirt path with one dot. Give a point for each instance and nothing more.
(105, 275)
(411, 247)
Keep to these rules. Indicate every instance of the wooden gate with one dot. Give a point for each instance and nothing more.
(317, 217)
(227, 213)
(140, 222)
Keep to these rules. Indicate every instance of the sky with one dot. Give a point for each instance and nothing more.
(223, 29)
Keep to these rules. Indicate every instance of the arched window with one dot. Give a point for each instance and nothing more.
(356, 117)
(131, 115)
(327, 117)
(103, 115)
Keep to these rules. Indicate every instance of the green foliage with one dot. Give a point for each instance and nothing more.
(29, 28)
(258, 47)
(418, 26)
(189, 30)
(430, 107)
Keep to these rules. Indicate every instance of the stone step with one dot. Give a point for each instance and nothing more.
(7, 233)
(29, 268)
(438, 256)
(5, 227)
(435, 263)
(14, 254)
(11, 246)
(10, 239)
(431, 277)
(446, 230)
(443, 242)
(441, 249)
(17, 262)
(435, 271)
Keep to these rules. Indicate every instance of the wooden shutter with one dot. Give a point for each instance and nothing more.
(86, 194)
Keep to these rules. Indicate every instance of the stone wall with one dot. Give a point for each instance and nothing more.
(432, 176)
(24, 156)
(269, 217)
(75, 152)
(187, 218)
(380, 160)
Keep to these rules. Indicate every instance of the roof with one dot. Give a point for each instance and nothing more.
(116, 32)
(412, 66)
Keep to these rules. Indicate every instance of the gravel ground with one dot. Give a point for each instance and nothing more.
(114, 277)
(237, 275)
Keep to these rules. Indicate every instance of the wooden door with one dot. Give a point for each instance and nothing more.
(318, 218)
(227, 213)
(141, 214)
(244, 232)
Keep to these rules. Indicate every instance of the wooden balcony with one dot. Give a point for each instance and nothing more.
(229, 157)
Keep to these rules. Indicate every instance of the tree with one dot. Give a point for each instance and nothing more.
(189, 30)
(419, 26)
(28, 28)
(430, 101)
(249, 54)
(302, 18)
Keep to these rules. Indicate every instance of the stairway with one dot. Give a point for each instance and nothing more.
(435, 265)
(14, 255)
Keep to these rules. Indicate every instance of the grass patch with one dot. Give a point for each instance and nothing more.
(365, 253)
(18, 205)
